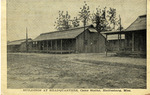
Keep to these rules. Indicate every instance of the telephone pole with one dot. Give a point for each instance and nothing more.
(26, 39)
(120, 33)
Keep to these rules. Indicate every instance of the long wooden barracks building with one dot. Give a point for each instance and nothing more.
(87, 40)
(77, 40)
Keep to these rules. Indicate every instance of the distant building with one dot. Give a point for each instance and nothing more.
(113, 42)
(72, 40)
(19, 45)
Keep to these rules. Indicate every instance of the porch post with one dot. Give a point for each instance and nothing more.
(39, 46)
(132, 41)
(43, 45)
(47, 46)
(51, 45)
(56, 44)
(61, 46)
(106, 45)
(125, 43)
(118, 42)
(36, 43)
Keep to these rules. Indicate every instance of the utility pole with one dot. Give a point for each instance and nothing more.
(26, 39)
(84, 33)
(120, 23)
(120, 33)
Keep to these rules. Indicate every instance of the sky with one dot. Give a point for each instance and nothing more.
(38, 16)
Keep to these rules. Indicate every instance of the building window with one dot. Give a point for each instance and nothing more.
(34, 43)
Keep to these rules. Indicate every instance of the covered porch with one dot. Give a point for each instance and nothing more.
(134, 43)
(54, 46)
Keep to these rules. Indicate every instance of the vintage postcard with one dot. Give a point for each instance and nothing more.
(75, 47)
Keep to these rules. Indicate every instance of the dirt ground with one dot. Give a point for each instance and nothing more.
(35, 70)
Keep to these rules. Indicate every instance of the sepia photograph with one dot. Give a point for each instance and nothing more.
(76, 44)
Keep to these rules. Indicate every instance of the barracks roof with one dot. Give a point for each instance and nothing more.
(18, 42)
(138, 24)
(65, 34)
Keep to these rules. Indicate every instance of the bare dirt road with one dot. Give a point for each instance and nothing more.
(32, 70)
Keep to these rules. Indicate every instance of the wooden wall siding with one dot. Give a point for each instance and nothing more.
(139, 41)
(80, 43)
(113, 45)
(23, 47)
(9, 48)
(94, 42)
(13, 48)
(68, 44)
(101, 41)
(16, 48)
(128, 37)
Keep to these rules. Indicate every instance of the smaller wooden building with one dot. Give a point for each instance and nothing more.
(77, 40)
(19, 45)
(135, 37)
